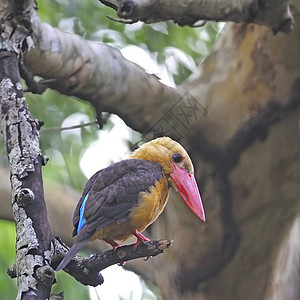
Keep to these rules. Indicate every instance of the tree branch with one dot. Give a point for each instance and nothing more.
(86, 270)
(273, 14)
(21, 137)
(99, 74)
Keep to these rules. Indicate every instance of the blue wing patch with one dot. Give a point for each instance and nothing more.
(82, 220)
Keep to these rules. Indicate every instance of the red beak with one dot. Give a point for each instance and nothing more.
(188, 190)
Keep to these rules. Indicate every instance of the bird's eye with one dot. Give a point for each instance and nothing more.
(177, 158)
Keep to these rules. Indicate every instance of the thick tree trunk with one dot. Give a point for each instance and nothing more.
(20, 132)
(247, 153)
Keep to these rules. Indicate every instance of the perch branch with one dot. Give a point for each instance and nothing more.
(86, 270)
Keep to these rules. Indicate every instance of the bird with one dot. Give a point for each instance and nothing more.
(123, 199)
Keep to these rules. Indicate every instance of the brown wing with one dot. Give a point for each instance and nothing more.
(112, 192)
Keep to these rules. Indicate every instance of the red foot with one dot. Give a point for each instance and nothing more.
(114, 244)
(140, 238)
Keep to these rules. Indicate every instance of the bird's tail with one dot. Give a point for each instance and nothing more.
(77, 246)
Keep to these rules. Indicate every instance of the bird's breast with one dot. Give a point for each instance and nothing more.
(150, 205)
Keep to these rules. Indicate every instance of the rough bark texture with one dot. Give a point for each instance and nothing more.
(21, 137)
(86, 270)
(240, 122)
(20, 134)
(274, 14)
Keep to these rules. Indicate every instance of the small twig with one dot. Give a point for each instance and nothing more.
(107, 3)
(122, 20)
(86, 270)
(59, 129)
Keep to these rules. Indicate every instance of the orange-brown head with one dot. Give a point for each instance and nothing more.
(178, 168)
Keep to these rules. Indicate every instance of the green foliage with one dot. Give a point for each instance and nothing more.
(8, 286)
(63, 148)
(72, 289)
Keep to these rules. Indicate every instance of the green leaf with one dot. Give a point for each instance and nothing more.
(8, 286)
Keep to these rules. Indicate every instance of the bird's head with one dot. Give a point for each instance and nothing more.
(178, 168)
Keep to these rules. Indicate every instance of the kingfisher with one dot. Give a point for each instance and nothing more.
(123, 199)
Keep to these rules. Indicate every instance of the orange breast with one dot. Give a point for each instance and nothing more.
(149, 207)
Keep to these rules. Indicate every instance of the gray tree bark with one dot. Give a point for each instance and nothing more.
(21, 137)
(273, 14)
